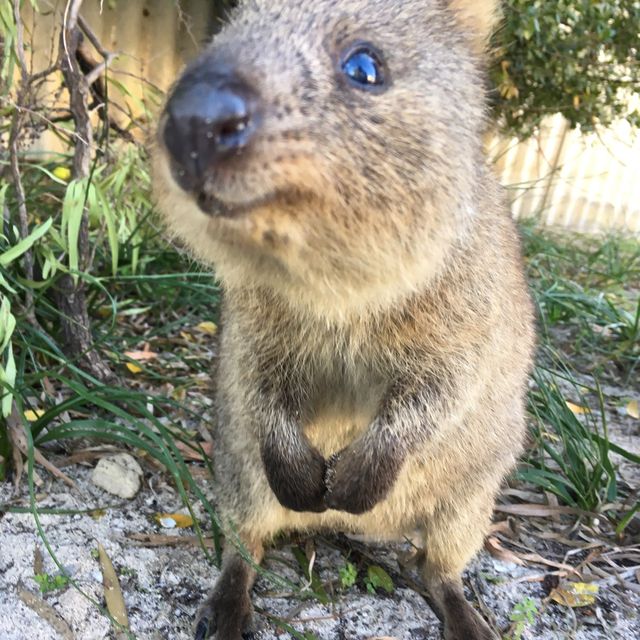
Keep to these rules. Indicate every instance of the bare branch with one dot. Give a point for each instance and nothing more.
(70, 294)
(69, 23)
(14, 135)
(19, 49)
(78, 89)
(93, 38)
(99, 69)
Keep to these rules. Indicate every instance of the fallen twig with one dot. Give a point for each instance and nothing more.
(47, 613)
(19, 443)
(160, 540)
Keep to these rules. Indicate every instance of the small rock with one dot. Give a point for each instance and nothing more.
(119, 474)
(502, 567)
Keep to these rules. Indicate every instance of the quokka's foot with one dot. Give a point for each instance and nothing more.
(225, 616)
(474, 628)
(227, 613)
(461, 620)
(202, 628)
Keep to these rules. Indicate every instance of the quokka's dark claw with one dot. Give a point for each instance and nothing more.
(202, 629)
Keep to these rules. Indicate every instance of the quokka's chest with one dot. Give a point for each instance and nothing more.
(340, 410)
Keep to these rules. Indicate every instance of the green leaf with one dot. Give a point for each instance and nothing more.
(7, 323)
(627, 518)
(3, 194)
(315, 583)
(49, 583)
(378, 578)
(8, 378)
(25, 244)
(8, 370)
(100, 205)
(348, 575)
(72, 211)
(6, 285)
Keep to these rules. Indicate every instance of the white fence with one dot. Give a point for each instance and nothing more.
(587, 184)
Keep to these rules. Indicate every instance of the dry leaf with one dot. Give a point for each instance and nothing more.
(575, 594)
(577, 409)
(134, 368)
(526, 496)
(38, 562)
(19, 442)
(142, 356)
(540, 510)
(536, 558)
(159, 540)
(179, 394)
(47, 613)
(633, 409)
(504, 527)
(174, 520)
(493, 546)
(538, 577)
(33, 414)
(529, 509)
(189, 453)
(208, 327)
(84, 455)
(112, 592)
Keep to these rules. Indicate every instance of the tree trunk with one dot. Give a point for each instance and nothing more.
(69, 293)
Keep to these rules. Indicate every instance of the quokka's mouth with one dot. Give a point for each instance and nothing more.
(202, 190)
(214, 206)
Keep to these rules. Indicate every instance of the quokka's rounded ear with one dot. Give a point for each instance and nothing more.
(478, 18)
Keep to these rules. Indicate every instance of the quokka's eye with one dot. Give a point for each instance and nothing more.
(364, 67)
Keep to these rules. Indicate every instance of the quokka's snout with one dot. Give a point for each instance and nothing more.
(210, 118)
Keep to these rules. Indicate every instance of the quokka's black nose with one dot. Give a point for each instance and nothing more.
(210, 117)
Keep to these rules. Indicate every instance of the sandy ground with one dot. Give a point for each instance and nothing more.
(163, 585)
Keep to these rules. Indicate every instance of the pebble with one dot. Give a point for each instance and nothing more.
(119, 475)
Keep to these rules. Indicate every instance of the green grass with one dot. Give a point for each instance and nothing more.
(591, 288)
(572, 456)
(586, 293)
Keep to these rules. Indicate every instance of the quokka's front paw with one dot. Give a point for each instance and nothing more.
(356, 482)
(297, 477)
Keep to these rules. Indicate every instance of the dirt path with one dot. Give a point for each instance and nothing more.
(163, 585)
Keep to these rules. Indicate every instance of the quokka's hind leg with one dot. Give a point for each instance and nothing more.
(452, 537)
(227, 613)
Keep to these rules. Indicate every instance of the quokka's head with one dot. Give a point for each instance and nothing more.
(328, 149)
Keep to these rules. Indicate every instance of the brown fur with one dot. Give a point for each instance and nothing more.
(377, 331)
